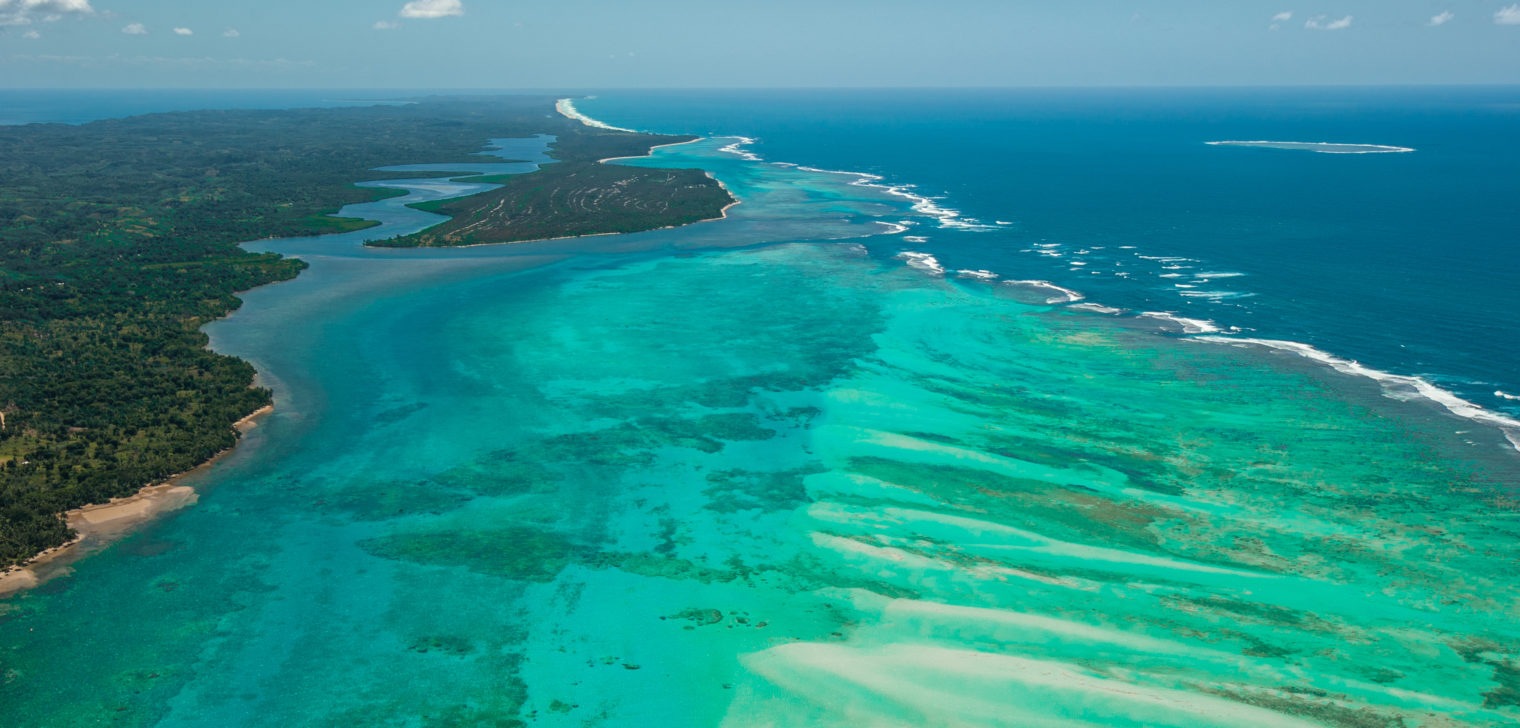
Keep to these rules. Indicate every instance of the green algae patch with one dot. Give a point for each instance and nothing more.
(630, 444)
(1070, 508)
(520, 553)
(666, 567)
(396, 499)
(699, 617)
(738, 490)
(502, 473)
(1506, 666)
(452, 645)
(734, 427)
(1316, 705)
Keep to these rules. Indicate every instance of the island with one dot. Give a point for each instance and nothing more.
(119, 240)
(579, 194)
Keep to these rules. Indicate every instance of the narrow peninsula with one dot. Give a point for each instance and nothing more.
(578, 194)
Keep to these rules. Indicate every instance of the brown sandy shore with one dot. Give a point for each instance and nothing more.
(102, 524)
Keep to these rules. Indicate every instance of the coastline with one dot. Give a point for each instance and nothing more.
(101, 524)
(605, 160)
(566, 108)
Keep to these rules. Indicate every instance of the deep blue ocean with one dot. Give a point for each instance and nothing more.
(1407, 263)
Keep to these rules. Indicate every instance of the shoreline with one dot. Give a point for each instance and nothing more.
(99, 525)
(650, 153)
(566, 108)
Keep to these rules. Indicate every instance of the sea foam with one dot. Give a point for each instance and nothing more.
(922, 204)
(1395, 386)
(922, 261)
(566, 108)
(1189, 325)
(1097, 308)
(1061, 294)
(983, 275)
(737, 148)
(1318, 147)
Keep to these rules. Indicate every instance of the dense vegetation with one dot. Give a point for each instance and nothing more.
(118, 241)
(577, 196)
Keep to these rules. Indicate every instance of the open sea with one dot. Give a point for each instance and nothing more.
(983, 408)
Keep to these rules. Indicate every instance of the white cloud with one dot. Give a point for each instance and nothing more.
(1508, 16)
(22, 12)
(183, 31)
(31, 35)
(1442, 19)
(1283, 16)
(231, 33)
(135, 29)
(432, 8)
(1320, 22)
(385, 25)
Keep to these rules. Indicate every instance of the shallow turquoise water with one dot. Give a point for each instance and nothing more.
(744, 473)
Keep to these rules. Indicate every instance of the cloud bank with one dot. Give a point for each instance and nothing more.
(23, 12)
(432, 9)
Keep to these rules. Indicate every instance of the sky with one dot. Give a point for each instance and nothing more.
(589, 44)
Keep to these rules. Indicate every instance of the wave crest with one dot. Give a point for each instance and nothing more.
(566, 108)
(1396, 386)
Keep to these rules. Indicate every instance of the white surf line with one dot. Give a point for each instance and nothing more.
(1317, 147)
(980, 274)
(566, 108)
(737, 149)
(1189, 325)
(923, 205)
(1065, 295)
(922, 261)
(1395, 386)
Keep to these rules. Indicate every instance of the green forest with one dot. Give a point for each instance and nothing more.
(118, 241)
(577, 195)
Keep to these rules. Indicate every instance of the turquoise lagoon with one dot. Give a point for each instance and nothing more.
(758, 472)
